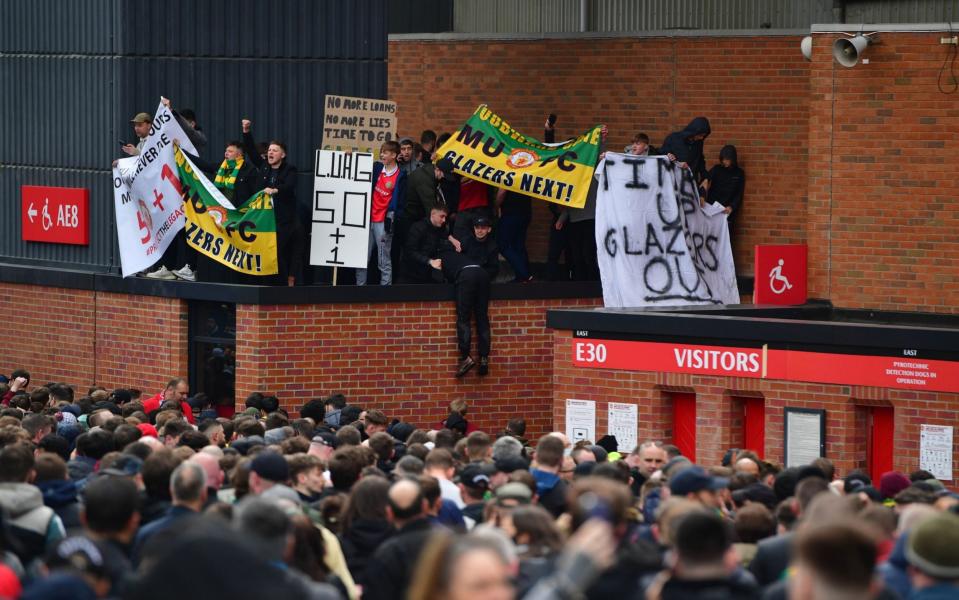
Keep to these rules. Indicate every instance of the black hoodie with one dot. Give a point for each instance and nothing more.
(726, 184)
(360, 541)
(681, 145)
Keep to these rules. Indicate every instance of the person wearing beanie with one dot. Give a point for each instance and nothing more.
(932, 554)
(891, 483)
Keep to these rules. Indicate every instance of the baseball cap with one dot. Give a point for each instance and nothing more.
(141, 118)
(514, 491)
(695, 479)
(931, 547)
(475, 475)
(326, 438)
(270, 466)
(482, 222)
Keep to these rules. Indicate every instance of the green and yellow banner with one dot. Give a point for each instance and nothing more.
(242, 238)
(488, 149)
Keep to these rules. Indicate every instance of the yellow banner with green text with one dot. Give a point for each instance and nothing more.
(243, 238)
(488, 149)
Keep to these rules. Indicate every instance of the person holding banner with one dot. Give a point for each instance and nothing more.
(278, 179)
(686, 147)
(389, 189)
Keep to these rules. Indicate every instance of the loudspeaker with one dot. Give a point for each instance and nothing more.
(848, 51)
(806, 47)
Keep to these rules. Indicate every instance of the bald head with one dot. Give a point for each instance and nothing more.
(211, 466)
(405, 501)
(748, 466)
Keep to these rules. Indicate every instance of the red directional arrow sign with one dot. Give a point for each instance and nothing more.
(55, 215)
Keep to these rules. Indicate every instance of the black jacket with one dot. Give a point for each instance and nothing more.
(283, 179)
(726, 185)
(772, 557)
(423, 243)
(681, 145)
(391, 568)
(484, 254)
(421, 193)
(360, 541)
(731, 588)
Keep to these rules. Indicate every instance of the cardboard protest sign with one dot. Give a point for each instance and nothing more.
(656, 246)
(242, 238)
(342, 190)
(146, 196)
(358, 124)
(488, 149)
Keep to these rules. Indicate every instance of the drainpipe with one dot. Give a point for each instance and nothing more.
(583, 15)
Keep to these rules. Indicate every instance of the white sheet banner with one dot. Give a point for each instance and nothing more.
(342, 192)
(146, 195)
(655, 245)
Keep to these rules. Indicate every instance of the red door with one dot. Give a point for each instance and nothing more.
(684, 423)
(881, 430)
(754, 425)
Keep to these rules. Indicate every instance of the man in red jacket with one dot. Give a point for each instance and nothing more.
(176, 391)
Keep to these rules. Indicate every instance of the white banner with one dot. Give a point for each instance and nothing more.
(655, 245)
(342, 192)
(146, 195)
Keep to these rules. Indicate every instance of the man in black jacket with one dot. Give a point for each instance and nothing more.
(471, 265)
(421, 262)
(278, 179)
(686, 147)
(389, 571)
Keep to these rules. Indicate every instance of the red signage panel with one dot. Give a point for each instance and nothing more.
(767, 363)
(780, 274)
(55, 215)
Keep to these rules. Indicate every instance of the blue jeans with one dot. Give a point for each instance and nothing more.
(511, 239)
(382, 241)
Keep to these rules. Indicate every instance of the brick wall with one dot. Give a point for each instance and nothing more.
(84, 338)
(55, 342)
(400, 357)
(754, 91)
(882, 212)
(717, 411)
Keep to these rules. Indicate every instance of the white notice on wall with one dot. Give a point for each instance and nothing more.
(803, 438)
(623, 422)
(580, 420)
(935, 450)
(341, 209)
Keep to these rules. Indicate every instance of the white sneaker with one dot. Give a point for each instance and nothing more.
(186, 273)
(161, 273)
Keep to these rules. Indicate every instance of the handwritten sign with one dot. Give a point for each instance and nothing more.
(359, 124)
(342, 186)
(656, 246)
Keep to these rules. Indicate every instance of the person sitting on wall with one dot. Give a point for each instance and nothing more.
(421, 262)
(421, 194)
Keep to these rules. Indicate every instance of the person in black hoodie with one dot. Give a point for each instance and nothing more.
(726, 183)
(686, 147)
(471, 265)
(277, 178)
(364, 526)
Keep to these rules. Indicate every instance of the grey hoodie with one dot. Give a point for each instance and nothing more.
(36, 526)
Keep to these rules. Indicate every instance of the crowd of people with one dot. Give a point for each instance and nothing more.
(122, 494)
(410, 181)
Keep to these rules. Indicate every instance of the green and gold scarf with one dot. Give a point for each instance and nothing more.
(226, 174)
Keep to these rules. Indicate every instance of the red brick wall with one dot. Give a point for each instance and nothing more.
(49, 332)
(754, 91)
(400, 358)
(882, 209)
(84, 338)
(845, 422)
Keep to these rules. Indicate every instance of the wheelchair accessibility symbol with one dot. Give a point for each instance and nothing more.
(777, 281)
